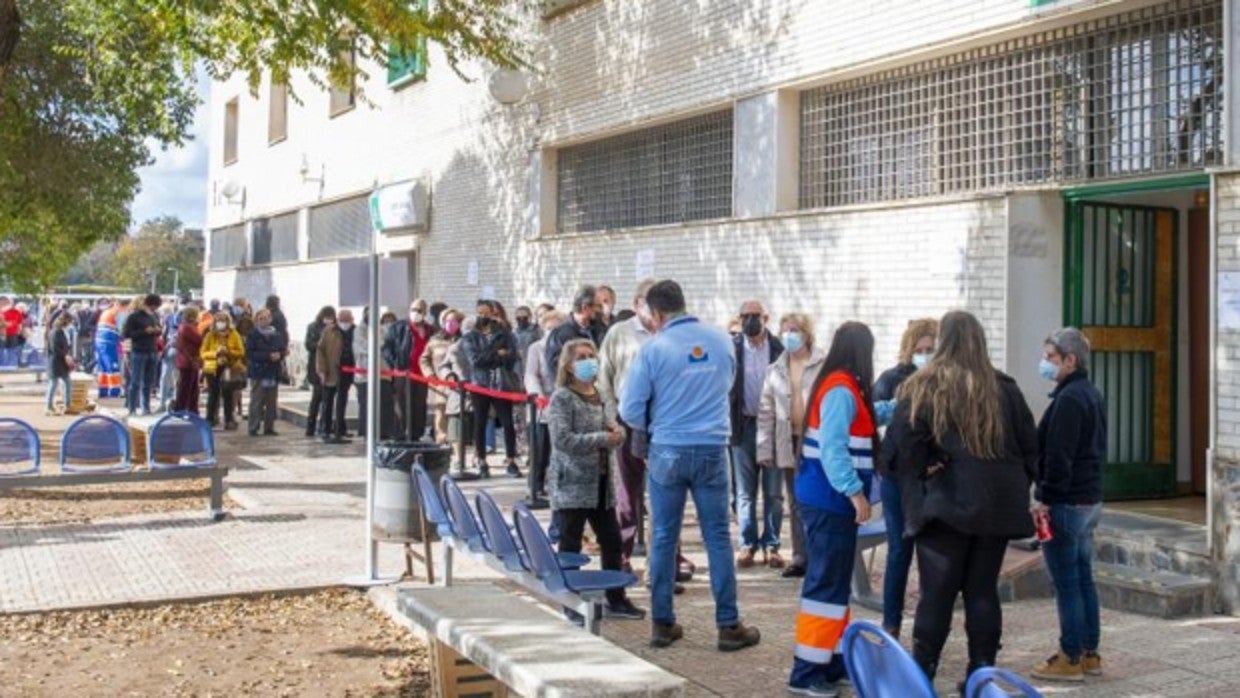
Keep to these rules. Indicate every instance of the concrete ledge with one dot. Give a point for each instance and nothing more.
(1158, 594)
(531, 651)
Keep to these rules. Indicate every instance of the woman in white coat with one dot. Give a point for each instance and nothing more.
(781, 416)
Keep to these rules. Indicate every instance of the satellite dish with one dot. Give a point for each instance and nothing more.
(509, 86)
(231, 189)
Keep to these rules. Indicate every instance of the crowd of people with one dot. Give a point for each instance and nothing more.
(650, 404)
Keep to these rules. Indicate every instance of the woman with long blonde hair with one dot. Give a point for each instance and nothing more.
(967, 454)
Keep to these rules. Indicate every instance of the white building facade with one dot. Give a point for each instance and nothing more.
(1038, 163)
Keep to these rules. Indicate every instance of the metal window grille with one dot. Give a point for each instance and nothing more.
(274, 239)
(340, 229)
(1131, 94)
(227, 247)
(666, 174)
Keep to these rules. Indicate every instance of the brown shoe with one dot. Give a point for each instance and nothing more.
(744, 559)
(1091, 662)
(1059, 668)
(738, 637)
(774, 561)
(662, 635)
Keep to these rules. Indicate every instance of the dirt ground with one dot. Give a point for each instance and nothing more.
(86, 503)
(328, 643)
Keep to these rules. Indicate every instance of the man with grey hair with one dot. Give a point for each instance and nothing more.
(1072, 442)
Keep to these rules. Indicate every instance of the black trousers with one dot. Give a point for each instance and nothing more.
(342, 402)
(503, 410)
(219, 392)
(606, 527)
(316, 403)
(541, 459)
(410, 408)
(949, 564)
(327, 427)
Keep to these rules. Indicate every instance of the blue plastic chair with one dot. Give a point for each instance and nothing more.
(501, 542)
(95, 443)
(464, 523)
(184, 436)
(879, 667)
(19, 443)
(546, 566)
(433, 508)
(992, 682)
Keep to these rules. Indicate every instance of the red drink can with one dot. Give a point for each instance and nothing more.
(1042, 524)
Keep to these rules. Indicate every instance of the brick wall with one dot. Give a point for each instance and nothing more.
(1228, 347)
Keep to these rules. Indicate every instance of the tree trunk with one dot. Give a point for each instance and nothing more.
(10, 32)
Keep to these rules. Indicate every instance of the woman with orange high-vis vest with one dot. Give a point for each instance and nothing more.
(834, 480)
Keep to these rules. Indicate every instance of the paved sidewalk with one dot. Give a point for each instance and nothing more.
(302, 524)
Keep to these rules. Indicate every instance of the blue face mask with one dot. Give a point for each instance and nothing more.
(920, 360)
(586, 370)
(793, 341)
(1048, 370)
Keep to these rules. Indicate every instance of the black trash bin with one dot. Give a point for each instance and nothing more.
(398, 511)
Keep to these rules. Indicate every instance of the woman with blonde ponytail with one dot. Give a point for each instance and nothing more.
(967, 456)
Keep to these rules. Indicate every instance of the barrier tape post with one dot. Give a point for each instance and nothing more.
(535, 455)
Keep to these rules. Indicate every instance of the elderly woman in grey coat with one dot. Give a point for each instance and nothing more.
(582, 437)
(781, 420)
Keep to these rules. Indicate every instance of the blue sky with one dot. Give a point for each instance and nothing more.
(176, 183)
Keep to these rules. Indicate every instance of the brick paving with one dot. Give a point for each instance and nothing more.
(302, 519)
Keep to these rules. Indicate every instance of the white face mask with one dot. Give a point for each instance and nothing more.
(346, 326)
(221, 326)
(920, 360)
(415, 316)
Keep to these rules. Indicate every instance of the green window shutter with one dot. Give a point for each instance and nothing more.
(407, 66)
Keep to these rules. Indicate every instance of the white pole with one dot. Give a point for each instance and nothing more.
(373, 385)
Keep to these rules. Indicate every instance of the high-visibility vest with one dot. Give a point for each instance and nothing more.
(812, 486)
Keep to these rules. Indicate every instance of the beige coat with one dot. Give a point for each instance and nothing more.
(432, 361)
(327, 356)
(775, 410)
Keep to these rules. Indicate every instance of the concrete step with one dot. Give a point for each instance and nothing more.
(1153, 544)
(298, 414)
(1159, 594)
(1023, 576)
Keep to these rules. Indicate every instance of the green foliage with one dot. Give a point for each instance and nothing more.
(159, 244)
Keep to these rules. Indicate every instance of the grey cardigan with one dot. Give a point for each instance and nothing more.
(578, 435)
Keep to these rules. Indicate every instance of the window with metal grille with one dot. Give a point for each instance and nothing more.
(1132, 94)
(227, 247)
(340, 229)
(274, 239)
(666, 174)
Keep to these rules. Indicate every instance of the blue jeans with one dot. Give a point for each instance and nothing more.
(142, 367)
(702, 471)
(1069, 559)
(899, 556)
(749, 477)
(52, 382)
(168, 377)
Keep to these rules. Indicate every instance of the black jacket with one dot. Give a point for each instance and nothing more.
(59, 350)
(314, 333)
(737, 398)
(885, 389)
(569, 331)
(487, 368)
(398, 344)
(1072, 444)
(971, 495)
(258, 350)
(135, 330)
(280, 322)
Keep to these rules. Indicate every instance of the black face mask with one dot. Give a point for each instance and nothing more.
(482, 324)
(752, 325)
(523, 322)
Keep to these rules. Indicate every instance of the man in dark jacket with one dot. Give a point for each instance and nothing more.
(142, 329)
(756, 349)
(347, 361)
(264, 350)
(584, 324)
(278, 321)
(1072, 443)
(402, 351)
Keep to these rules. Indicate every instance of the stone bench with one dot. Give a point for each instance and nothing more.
(493, 643)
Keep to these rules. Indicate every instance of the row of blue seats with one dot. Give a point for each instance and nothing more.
(99, 443)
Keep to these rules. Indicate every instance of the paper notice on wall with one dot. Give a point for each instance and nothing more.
(471, 273)
(644, 264)
(1229, 300)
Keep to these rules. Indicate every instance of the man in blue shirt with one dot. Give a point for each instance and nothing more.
(677, 391)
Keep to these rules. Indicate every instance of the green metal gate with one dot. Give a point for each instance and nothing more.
(1121, 291)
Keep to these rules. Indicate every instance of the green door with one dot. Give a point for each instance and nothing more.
(1121, 291)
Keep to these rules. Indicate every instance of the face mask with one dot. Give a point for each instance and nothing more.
(346, 326)
(585, 369)
(452, 327)
(752, 326)
(523, 322)
(793, 341)
(920, 360)
(221, 326)
(383, 327)
(415, 316)
(1048, 370)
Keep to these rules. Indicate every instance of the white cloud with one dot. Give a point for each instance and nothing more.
(176, 183)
